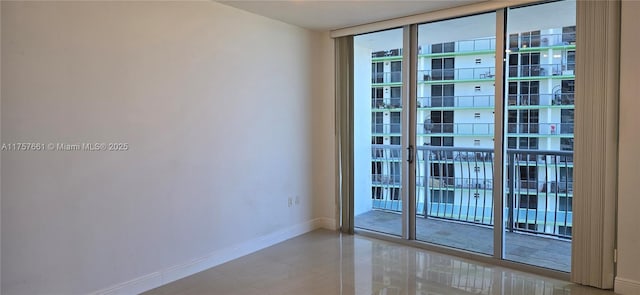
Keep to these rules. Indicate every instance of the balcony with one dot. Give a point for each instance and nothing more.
(434, 129)
(468, 101)
(523, 43)
(386, 78)
(386, 103)
(454, 196)
(386, 128)
(386, 53)
(460, 46)
(458, 74)
(526, 100)
(538, 71)
(546, 129)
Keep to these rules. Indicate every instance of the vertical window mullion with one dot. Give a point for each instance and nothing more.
(500, 120)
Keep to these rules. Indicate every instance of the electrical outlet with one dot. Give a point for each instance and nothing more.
(290, 202)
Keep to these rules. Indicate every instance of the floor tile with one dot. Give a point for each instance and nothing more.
(326, 262)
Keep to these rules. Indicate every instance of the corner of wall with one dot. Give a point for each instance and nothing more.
(323, 118)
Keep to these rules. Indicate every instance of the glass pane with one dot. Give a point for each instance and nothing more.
(539, 135)
(455, 133)
(377, 131)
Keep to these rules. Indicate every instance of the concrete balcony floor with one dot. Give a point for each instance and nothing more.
(540, 251)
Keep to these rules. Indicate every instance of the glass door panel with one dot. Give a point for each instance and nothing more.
(539, 134)
(454, 133)
(377, 131)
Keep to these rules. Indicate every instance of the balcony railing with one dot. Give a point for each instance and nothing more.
(456, 184)
(456, 128)
(480, 73)
(386, 128)
(481, 101)
(386, 103)
(549, 213)
(541, 70)
(463, 46)
(541, 99)
(540, 128)
(478, 101)
(468, 101)
(544, 40)
(386, 77)
(386, 53)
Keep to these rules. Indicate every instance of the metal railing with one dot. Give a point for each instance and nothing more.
(386, 103)
(541, 70)
(541, 99)
(480, 73)
(462, 46)
(543, 40)
(386, 128)
(474, 101)
(469, 101)
(539, 209)
(386, 77)
(456, 184)
(386, 53)
(456, 128)
(540, 128)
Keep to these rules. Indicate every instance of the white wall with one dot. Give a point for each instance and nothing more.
(627, 272)
(220, 109)
(324, 136)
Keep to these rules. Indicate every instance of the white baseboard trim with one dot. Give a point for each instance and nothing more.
(172, 273)
(626, 286)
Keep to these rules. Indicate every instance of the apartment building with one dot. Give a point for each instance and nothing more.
(455, 128)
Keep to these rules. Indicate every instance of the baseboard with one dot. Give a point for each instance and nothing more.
(170, 274)
(626, 287)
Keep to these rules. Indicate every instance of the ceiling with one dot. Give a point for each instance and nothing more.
(329, 15)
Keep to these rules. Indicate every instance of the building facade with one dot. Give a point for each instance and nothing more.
(456, 127)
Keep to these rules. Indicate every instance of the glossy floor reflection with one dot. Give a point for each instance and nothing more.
(325, 262)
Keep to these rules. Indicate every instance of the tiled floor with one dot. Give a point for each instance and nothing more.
(325, 262)
(541, 251)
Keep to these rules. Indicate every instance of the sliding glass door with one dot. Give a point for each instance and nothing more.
(539, 113)
(463, 133)
(377, 112)
(454, 132)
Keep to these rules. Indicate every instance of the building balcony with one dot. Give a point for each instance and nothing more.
(435, 76)
(386, 128)
(454, 193)
(387, 53)
(543, 41)
(386, 103)
(528, 100)
(514, 101)
(450, 129)
(464, 101)
(382, 78)
(458, 47)
(546, 129)
(541, 71)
